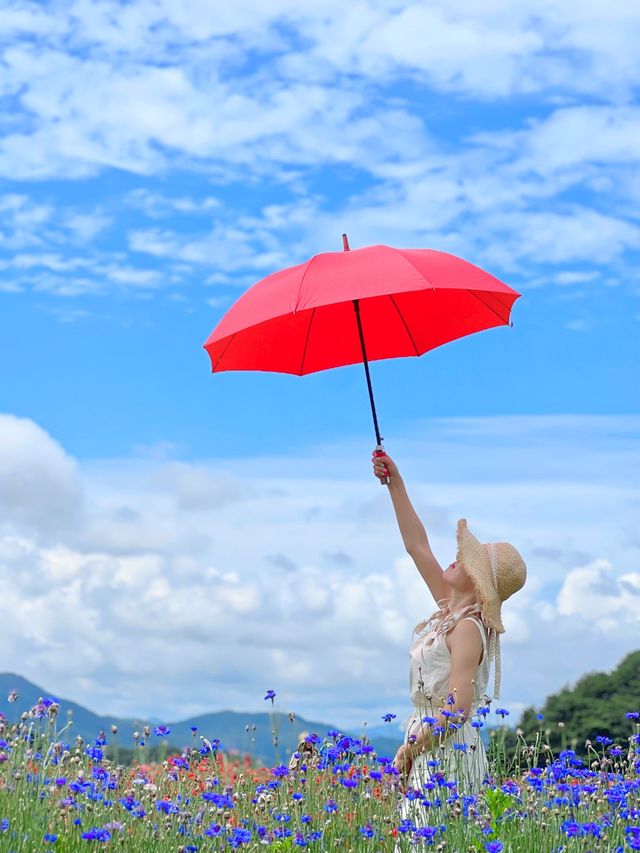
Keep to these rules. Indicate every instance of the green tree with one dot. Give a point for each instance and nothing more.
(595, 706)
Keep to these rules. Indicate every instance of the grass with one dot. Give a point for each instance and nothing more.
(344, 797)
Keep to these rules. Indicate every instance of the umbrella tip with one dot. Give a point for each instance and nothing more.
(345, 243)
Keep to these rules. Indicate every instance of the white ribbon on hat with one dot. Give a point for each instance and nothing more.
(494, 636)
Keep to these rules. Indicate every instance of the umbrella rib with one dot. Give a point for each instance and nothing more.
(473, 293)
(304, 351)
(224, 352)
(404, 323)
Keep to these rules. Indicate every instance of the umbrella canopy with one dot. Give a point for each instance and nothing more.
(301, 319)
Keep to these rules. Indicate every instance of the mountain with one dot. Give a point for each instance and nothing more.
(229, 727)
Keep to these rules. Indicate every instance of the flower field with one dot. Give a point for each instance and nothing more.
(56, 795)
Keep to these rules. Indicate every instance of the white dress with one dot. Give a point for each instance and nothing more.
(430, 669)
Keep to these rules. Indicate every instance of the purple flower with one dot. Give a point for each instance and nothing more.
(280, 771)
(97, 835)
(570, 828)
(161, 731)
(240, 836)
(427, 832)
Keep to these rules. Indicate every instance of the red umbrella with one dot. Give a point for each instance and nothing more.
(357, 306)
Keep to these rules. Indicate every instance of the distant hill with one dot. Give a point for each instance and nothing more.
(229, 727)
(595, 706)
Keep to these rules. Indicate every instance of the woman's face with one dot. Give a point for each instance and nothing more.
(456, 576)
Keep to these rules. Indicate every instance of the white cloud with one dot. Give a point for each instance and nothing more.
(39, 485)
(596, 593)
(221, 576)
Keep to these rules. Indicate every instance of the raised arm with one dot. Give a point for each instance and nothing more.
(412, 530)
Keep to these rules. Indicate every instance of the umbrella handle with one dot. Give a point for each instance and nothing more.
(379, 451)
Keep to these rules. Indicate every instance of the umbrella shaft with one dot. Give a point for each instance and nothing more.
(356, 305)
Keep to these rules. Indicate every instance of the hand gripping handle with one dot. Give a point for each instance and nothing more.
(380, 451)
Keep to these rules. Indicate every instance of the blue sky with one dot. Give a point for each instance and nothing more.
(158, 158)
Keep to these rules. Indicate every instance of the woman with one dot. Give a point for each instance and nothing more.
(449, 668)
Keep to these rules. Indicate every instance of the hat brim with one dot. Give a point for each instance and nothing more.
(475, 559)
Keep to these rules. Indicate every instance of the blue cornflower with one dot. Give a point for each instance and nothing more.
(349, 782)
(570, 828)
(270, 695)
(633, 837)
(503, 712)
(451, 699)
(461, 747)
(406, 826)
(220, 801)
(94, 753)
(306, 818)
(604, 740)
(367, 831)
(214, 830)
(494, 846)
(282, 832)
(477, 724)
(539, 716)
(430, 721)
(312, 738)
(375, 774)
(50, 839)
(161, 731)
(97, 835)
(427, 832)
(484, 711)
(240, 836)
(592, 829)
(194, 728)
(280, 771)
(299, 840)
(388, 717)
(282, 817)
(633, 715)
(167, 807)
(297, 796)
(331, 806)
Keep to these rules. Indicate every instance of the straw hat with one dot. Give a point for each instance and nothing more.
(497, 571)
